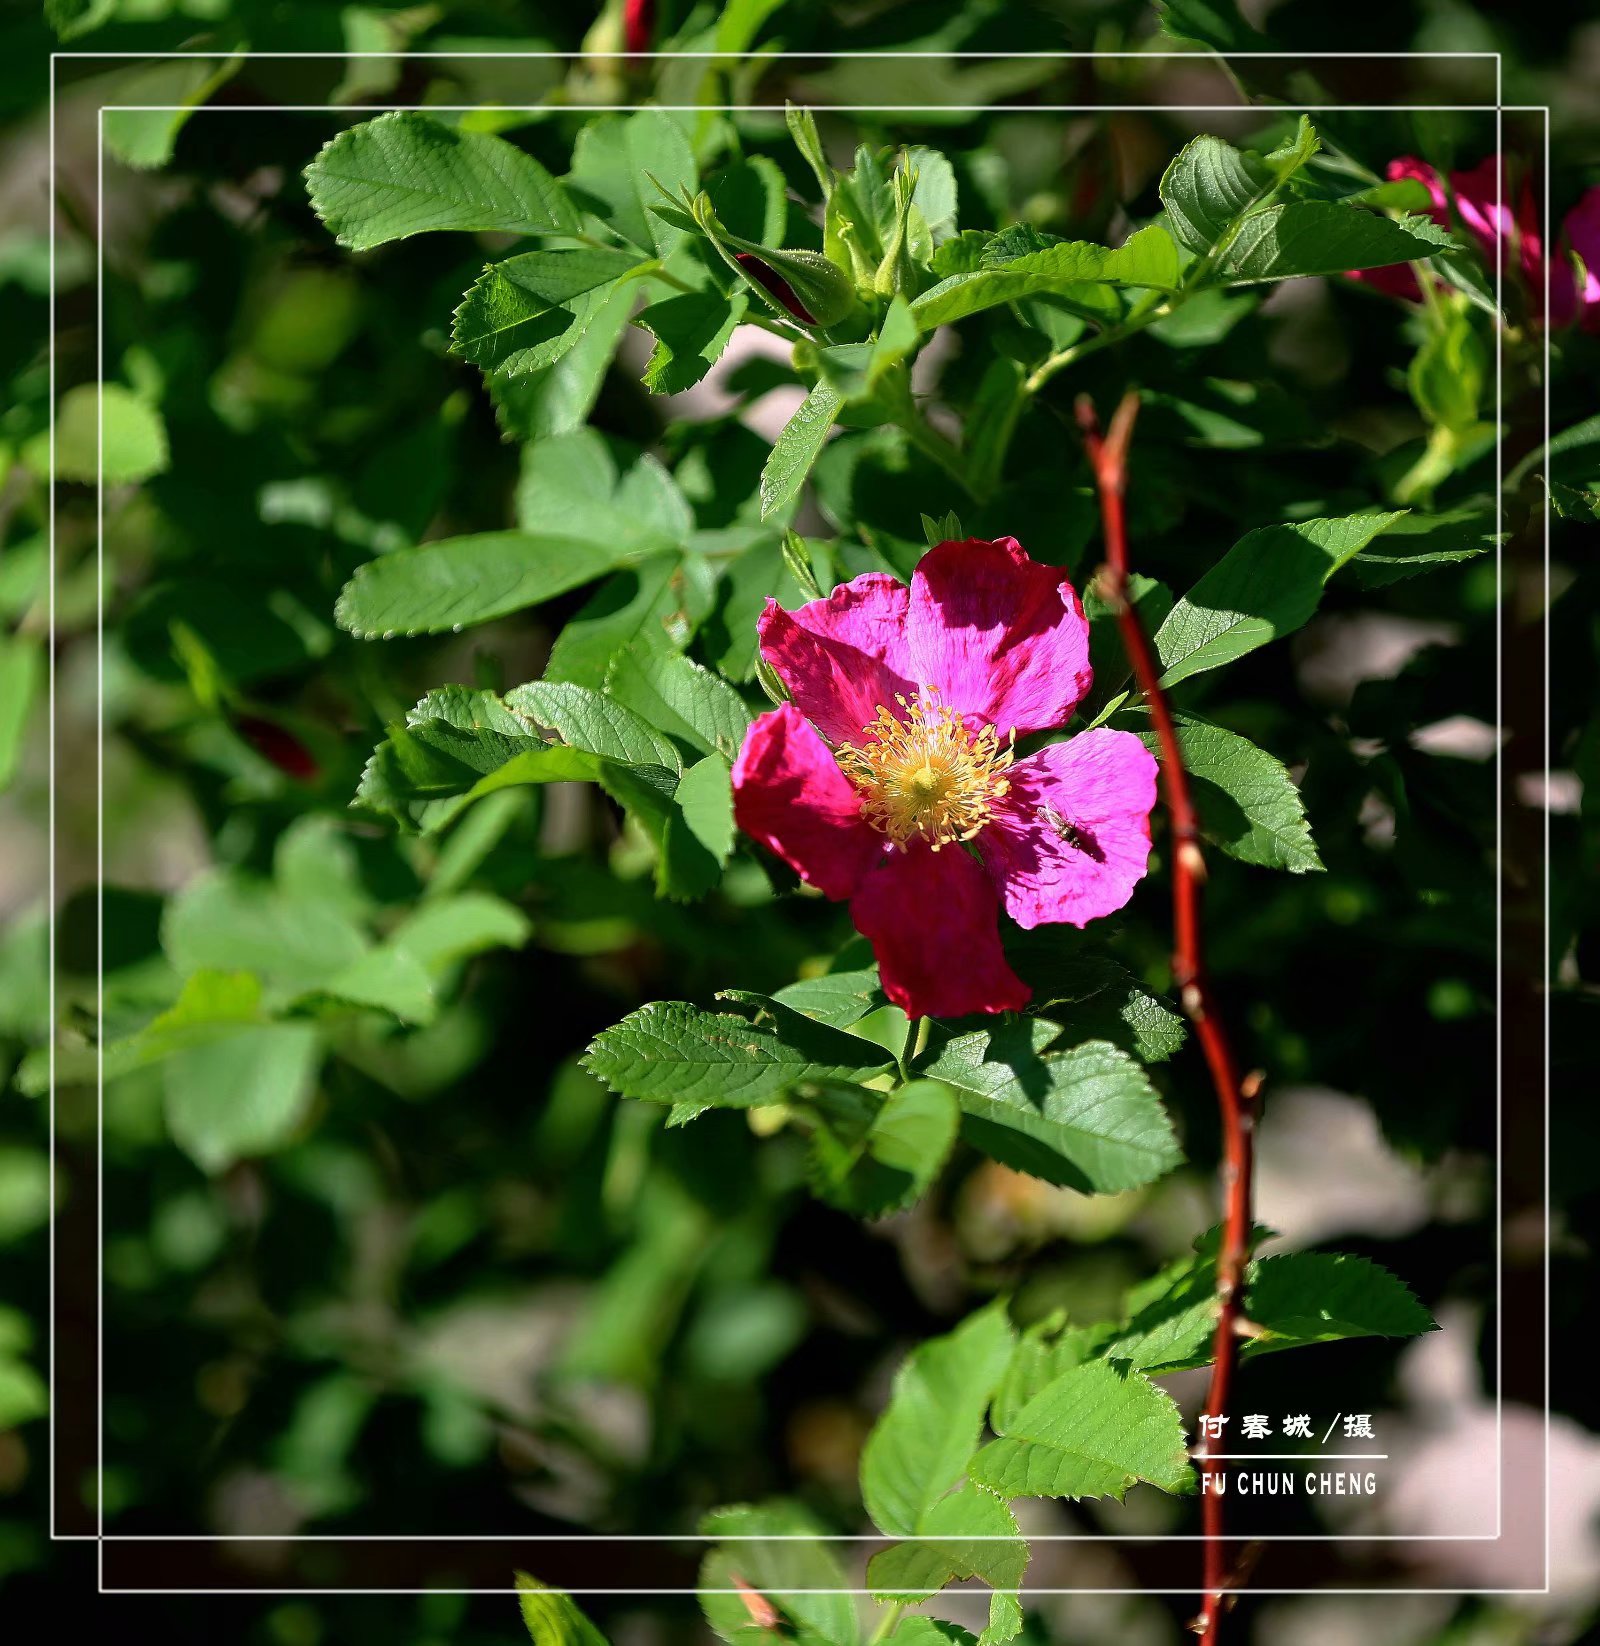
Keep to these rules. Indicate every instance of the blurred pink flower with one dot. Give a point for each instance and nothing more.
(1504, 220)
(895, 756)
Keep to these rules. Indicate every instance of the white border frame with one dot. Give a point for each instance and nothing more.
(101, 1538)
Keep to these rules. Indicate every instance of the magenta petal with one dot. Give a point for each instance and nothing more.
(845, 657)
(789, 794)
(1071, 839)
(1484, 202)
(1000, 638)
(933, 920)
(1582, 225)
(1408, 165)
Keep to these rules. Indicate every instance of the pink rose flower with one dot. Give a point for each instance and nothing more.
(890, 778)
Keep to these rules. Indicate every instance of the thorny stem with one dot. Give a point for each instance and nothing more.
(1236, 1097)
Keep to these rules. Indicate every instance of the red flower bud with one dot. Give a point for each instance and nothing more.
(273, 742)
(775, 285)
(639, 24)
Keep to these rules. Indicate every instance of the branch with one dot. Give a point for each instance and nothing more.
(1236, 1097)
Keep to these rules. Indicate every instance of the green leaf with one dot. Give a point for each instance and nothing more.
(528, 311)
(135, 436)
(671, 1052)
(558, 398)
(654, 606)
(1265, 586)
(678, 696)
(242, 1094)
(1322, 237)
(594, 722)
(780, 1552)
(1418, 543)
(1295, 1299)
(460, 581)
(228, 922)
(857, 369)
(145, 138)
(798, 447)
(872, 1155)
(1248, 803)
(1044, 1352)
(552, 1618)
(405, 174)
(1092, 1432)
(617, 163)
(1085, 1118)
(578, 486)
(705, 797)
(691, 331)
(1092, 996)
(969, 1533)
(21, 675)
(1147, 258)
(839, 997)
(1208, 185)
(921, 1445)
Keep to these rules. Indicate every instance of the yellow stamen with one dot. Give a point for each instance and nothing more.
(923, 773)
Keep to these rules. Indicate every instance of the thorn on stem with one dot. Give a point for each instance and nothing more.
(1250, 1086)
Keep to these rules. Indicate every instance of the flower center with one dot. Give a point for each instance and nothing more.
(923, 773)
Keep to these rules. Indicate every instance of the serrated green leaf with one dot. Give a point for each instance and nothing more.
(798, 446)
(1248, 803)
(1208, 185)
(839, 997)
(460, 581)
(552, 1618)
(557, 399)
(1094, 1431)
(873, 1154)
(920, 1447)
(1322, 237)
(406, 173)
(1295, 1299)
(1147, 258)
(592, 721)
(969, 1533)
(1264, 587)
(691, 331)
(680, 697)
(526, 312)
(672, 1052)
(1086, 1118)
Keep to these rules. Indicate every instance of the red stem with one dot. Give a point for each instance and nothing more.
(1108, 455)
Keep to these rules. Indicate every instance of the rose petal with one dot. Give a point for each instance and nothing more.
(1484, 202)
(844, 657)
(1001, 638)
(1582, 224)
(933, 920)
(789, 794)
(1071, 838)
(1408, 165)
